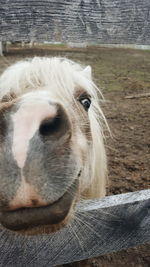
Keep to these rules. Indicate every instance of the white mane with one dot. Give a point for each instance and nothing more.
(66, 76)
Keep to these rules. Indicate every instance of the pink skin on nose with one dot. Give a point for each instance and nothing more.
(26, 122)
(26, 196)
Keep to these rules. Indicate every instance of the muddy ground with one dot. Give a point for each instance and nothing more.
(119, 73)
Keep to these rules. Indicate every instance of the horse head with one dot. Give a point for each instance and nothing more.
(51, 143)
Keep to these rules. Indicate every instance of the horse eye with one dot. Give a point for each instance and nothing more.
(86, 102)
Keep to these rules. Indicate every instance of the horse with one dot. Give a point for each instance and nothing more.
(52, 151)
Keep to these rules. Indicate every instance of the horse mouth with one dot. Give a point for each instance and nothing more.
(50, 215)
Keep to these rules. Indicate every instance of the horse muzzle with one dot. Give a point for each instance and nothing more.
(51, 214)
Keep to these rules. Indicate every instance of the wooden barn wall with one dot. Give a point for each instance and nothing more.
(76, 21)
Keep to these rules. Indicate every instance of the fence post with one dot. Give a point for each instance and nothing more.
(100, 227)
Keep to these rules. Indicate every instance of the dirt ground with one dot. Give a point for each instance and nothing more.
(119, 72)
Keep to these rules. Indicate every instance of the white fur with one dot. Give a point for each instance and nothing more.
(26, 122)
(61, 78)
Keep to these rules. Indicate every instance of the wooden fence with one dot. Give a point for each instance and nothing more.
(76, 21)
(100, 227)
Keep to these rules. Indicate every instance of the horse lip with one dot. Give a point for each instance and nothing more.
(27, 218)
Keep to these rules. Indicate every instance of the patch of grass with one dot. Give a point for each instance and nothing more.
(113, 68)
(118, 69)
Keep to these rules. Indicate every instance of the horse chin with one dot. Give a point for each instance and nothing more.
(48, 229)
(56, 215)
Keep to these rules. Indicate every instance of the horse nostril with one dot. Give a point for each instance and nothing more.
(55, 126)
(50, 126)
